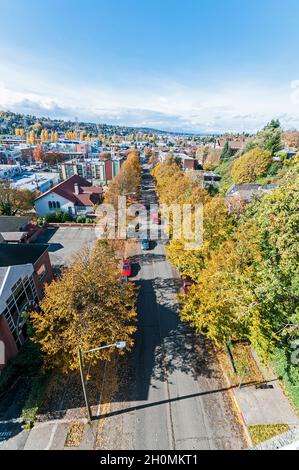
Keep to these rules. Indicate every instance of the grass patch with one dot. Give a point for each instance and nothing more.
(242, 359)
(74, 435)
(263, 432)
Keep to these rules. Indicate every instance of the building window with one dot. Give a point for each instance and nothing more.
(41, 272)
(23, 294)
(54, 205)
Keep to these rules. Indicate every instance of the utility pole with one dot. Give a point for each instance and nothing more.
(83, 384)
(118, 345)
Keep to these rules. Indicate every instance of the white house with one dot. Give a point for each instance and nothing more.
(75, 195)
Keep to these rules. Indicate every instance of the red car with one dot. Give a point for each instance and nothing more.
(127, 268)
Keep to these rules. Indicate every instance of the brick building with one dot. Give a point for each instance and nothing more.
(24, 271)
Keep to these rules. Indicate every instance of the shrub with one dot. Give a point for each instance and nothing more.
(81, 219)
(58, 216)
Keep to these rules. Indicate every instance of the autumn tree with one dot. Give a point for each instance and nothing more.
(15, 201)
(54, 157)
(88, 306)
(127, 181)
(44, 136)
(291, 139)
(248, 287)
(31, 137)
(39, 154)
(71, 135)
(217, 227)
(220, 305)
(54, 136)
(250, 166)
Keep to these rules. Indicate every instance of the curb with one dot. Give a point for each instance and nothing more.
(237, 406)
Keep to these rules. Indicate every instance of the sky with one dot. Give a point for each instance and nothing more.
(184, 65)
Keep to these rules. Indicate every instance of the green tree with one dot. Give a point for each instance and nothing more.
(276, 283)
(270, 138)
(226, 152)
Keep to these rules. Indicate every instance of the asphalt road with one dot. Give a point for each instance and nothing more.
(172, 395)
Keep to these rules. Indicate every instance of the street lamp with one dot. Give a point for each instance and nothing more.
(118, 345)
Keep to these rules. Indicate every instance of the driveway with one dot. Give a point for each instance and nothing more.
(65, 242)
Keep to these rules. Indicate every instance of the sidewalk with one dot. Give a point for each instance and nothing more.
(266, 405)
(50, 436)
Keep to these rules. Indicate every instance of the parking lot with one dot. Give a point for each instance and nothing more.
(65, 242)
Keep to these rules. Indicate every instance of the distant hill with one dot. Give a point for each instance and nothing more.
(9, 121)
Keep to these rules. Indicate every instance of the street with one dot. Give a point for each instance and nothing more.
(172, 394)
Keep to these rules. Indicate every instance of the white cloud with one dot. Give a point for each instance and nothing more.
(160, 103)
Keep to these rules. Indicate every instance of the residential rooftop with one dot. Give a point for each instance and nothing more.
(17, 254)
(13, 223)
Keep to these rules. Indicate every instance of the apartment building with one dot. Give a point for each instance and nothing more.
(24, 270)
(98, 171)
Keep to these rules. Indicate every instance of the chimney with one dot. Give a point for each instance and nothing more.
(76, 188)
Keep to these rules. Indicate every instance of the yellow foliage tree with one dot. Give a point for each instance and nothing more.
(251, 165)
(88, 306)
(44, 136)
(127, 181)
(15, 201)
(31, 138)
(53, 136)
(221, 304)
(71, 135)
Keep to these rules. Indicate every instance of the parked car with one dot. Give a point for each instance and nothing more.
(126, 268)
(145, 244)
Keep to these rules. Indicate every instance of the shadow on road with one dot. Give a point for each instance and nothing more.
(162, 402)
(163, 345)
